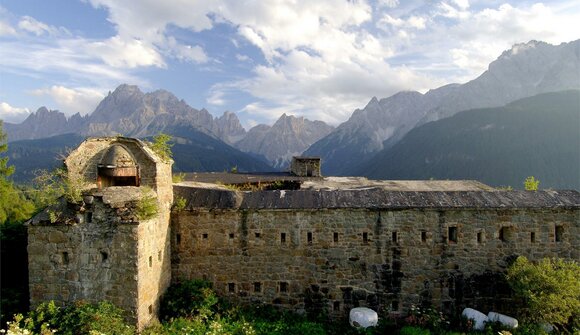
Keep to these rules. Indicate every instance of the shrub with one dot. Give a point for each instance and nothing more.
(550, 288)
(179, 203)
(531, 184)
(162, 147)
(408, 330)
(147, 207)
(79, 318)
(188, 299)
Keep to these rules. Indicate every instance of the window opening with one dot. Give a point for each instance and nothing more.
(283, 287)
(394, 237)
(335, 237)
(309, 237)
(257, 287)
(452, 234)
(559, 234)
(283, 237)
(423, 236)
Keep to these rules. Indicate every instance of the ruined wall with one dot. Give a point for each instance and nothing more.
(92, 261)
(335, 259)
(100, 249)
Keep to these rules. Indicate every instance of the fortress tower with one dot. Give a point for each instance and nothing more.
(109, 245)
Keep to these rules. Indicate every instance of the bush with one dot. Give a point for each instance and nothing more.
(550, 289)
(79, 318)
(147, 207)
(408, 330)
(188, 299)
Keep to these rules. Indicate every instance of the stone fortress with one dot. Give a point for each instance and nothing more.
(295, 240)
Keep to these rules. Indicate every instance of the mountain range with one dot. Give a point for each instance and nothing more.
(130, 112)
(360, 146)
(523, 71)
(537, 136)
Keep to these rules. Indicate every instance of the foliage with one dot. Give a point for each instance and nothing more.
(427, 318)
(179, 203)
(412, 330)
(550, 288)
(147, 207)
(178, 177)
(234, 169)
(162, 147)
(531, 184)
(79, 318)
(48, 186)
(13, 207)
(187, 299)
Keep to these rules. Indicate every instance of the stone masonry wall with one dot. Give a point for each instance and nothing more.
(92, 261)
(335, 259)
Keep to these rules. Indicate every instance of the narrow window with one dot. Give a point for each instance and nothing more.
(394, 237)
(257, 235)
(479, 237)
(335, 237)
(365, 238)
(104, 257)
(231, 236)
(150, 309)
(232, 287)
(65, 258)
(452, 234)
(282, 237)
(423, 236)
(178, 238)
(150, 261)
(257, 287)
(559, 234)
(204, 236)
(533, 237)
(283, 286)
(89, 217)
(505, 234)
(394, 305)
(159, 255)
(336, 306)
(309, 237)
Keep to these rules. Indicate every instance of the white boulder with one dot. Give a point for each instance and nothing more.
(363, 317)
(478, 317)
(503, 319)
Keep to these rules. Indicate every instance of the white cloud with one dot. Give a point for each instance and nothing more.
(31, 25)
(73, 100)
(121, 53)
(388, 3)
(12, 114)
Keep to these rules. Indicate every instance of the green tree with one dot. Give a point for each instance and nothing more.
(14, 207)
(550, 289)
(531, 184)
(162, 147)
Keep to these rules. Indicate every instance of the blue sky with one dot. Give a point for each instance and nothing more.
(319, 59)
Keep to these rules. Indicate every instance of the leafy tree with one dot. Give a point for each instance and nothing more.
(13, 207)
(162, 147)
(531, 184)
(550, 288)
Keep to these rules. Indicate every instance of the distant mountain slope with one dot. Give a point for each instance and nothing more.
(27, 156)
(523, 71)
(537, 136)
(194, 151)
(288, 137)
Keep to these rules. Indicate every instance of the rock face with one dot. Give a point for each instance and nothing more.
(523, 71)
(128, 111)
(42, 123)
(288, 137)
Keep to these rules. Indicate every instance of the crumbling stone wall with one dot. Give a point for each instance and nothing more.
(335, 259)
(92, 261)
(100, 249)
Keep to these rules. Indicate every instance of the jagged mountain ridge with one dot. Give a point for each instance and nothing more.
(501, 146)
(288, 136)
(129, 111)
(525, 70)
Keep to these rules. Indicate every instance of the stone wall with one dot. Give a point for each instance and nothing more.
(335, 259)
(92, 261)
(100, 249)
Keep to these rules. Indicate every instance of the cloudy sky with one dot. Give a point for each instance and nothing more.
(259, 58)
